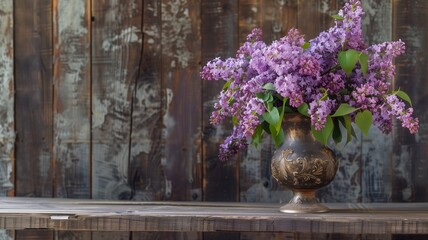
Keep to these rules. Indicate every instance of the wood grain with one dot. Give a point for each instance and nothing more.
(146, 174)
(409, 160)
(181, 85)
(116, 55)
(87, 215)
(34, 100)
(7, 132)
(71, 76)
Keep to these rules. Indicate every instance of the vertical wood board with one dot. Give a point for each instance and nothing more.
(34, 100)
(146, 174)
(409, 156)
(7, 132)
(116, 55)
(181, 44)
(72, 98)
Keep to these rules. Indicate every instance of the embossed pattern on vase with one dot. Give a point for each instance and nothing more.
(302, 162)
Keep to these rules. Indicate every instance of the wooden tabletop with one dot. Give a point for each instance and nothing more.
(96, 215)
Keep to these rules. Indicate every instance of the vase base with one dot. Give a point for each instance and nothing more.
(304, 202)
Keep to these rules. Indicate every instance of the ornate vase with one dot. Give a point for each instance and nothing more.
(303, 165)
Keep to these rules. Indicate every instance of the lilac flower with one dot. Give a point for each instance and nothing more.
(319, 110)
(404, 115)
(232, 145)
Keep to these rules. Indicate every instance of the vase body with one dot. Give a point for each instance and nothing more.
(303, 165)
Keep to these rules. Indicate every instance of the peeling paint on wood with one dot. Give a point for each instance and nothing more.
(377, 22)
(116, 56)
(7, 132)
(346, 186)
(180, 36)
(376, 169)
(6, 235)
(176, 30)
(72, 98)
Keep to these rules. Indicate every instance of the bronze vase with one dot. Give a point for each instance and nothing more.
(303, 165)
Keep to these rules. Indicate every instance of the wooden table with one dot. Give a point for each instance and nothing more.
(95, 215)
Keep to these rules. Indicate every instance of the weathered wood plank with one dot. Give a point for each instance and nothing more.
(34, 100)
(7, 132)
(7, 234)
(89, 215)
(72, 235)
(116, 55)
(181, 41)
(165, 235)
(278, 18)
(30, 234)
(147, 177)
(409, 160)
(111, 235)
(71, 76)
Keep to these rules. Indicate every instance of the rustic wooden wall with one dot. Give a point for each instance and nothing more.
(102, 99)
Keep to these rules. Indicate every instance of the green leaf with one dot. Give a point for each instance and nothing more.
(364, 62)
(268, 97)
(348, 59)
(324, 134)
(325, 94)
(347, 123)
(234, 120)
(227, 84)
(265, 125)
(269, 86)
(260, 95)
(281, 115)
(337, 134)
(404, 96)
(303, 109)
(278, 138)
(306, 45)
(257, 136)
(273, 130)
(337, 17)
(344, 109)
(272, 117)
(364, 121)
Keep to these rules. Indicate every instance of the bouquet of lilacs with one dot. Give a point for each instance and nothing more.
(335, 79)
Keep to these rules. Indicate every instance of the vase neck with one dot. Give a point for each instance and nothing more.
(297, 126)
